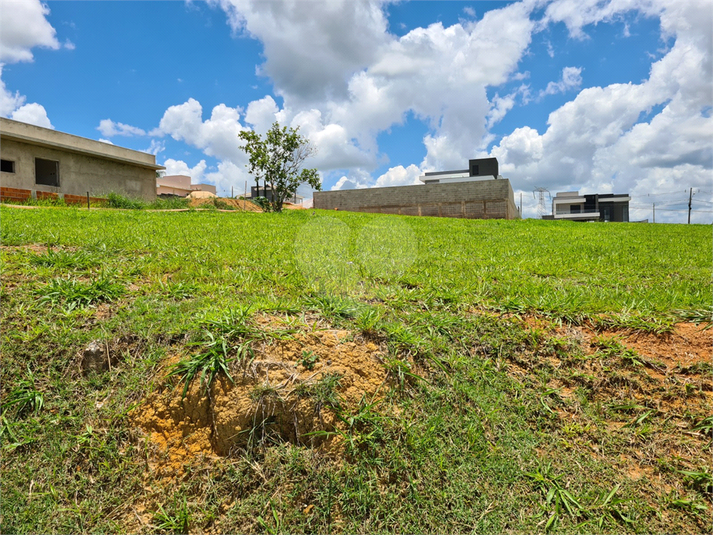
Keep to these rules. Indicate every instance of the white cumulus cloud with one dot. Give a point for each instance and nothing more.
(109, 128)
(23, 26)
(32, 114)
(571, 79)
(311, 48)
(598, 143)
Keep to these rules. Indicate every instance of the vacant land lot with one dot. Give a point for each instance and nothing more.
(333, 372)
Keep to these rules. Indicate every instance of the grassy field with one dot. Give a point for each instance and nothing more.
(511, 395)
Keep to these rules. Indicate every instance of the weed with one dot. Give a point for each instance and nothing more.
(179, 290)
(309, 359)
(265, 393)
(640, 419)
(277, 527)
(115, 200)
(368, 321)
(700, 316)
(220, 204)
(403, 336)
(611, 347)
(323, 392)
(63, 259)
(634, 322)
(75, 293)
(365, 426)
(607, 508)
(691, 505)
(700, 480)
(333, 306)
(208, 364)
(233, 323)
(177, 522)
(172, 203)
(558, 500)
(400, 371)
(705, 426)
(25, 397)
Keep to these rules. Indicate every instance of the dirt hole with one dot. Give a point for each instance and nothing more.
(291, 391)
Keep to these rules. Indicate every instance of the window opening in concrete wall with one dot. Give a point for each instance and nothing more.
(46, 172)
(475, 171)
(7, 166)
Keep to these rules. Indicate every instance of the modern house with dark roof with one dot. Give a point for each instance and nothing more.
(572, 206)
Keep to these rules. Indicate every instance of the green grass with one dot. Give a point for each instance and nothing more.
(460, 442)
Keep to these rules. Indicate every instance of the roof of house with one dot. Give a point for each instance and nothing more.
(46, 137)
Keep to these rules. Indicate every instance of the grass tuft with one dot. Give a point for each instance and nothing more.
(74, 293)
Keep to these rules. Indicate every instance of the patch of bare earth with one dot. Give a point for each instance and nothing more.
(243, 205)
(33, 248)
(652, 400)
(283, 393)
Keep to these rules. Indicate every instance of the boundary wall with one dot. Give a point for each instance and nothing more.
(482, 199)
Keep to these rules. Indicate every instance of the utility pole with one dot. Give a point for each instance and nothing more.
(690, 198)
(520, 204)
(654, 212)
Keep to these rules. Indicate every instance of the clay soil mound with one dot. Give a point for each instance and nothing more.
(292, 390)
(245, 206)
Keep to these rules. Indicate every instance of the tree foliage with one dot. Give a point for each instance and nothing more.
(277, 161)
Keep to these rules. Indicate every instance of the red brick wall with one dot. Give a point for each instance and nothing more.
(47, 195)
(81, 199)
(14, 194)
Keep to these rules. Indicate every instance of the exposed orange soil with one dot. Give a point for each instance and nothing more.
(669, 382)
(245, 206)
(271, 396)
(688, 345)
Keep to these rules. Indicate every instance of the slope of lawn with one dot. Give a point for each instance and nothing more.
(513, 399)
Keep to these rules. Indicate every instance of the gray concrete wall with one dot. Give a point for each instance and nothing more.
(78, 173)
(36, 135)
(485, 199)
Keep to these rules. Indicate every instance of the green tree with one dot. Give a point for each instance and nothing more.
(277, 161)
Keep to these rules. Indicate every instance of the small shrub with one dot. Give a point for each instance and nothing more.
(114, 200)
(220, 204)
(263, 203)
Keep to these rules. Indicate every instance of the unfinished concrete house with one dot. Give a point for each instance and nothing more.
(39, 163)
(478, 192)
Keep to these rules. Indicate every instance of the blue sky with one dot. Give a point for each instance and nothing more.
(589, 95)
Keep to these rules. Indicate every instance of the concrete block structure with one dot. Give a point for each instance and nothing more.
(481, 199)
(42, 163)
(474, 193)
